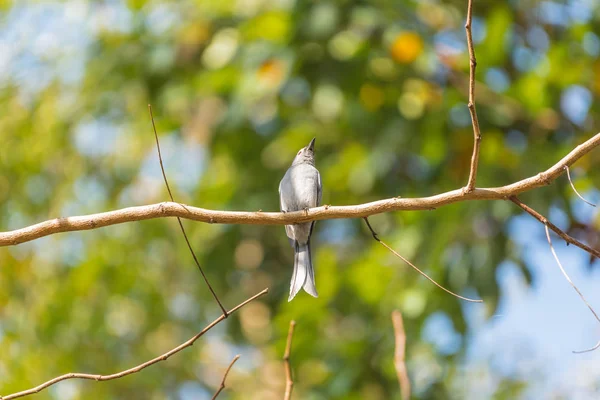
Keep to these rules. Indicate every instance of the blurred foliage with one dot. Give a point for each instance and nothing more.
(237, 88)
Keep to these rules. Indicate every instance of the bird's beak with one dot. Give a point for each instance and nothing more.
(311, 145)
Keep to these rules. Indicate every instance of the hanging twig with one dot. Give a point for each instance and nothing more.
(568, 239)
(376, 237)
(222, 386)
(400, 354)
(474, 120)
(76, 375)
(179, 219)
(289, 382)
(575, 190)
(571, 283)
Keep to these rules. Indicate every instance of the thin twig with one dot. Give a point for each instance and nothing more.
(595, 347)
(222, 386)
(575, 190)
(557, 230)
(76, 375)
(474, 120)
(376, 237)
(289, 382)
(571, 283)
(179, 219)
(400, 354)
(167, 209)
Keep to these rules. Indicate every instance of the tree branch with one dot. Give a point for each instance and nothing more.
(399, 354)
(77, 375)
(474, 120)
(169, 209)
(222, 386)
(289, 382)
(556, 229)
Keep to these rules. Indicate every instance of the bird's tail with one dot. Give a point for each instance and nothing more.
(304, 274)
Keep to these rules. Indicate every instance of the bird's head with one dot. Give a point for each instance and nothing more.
(306, 154)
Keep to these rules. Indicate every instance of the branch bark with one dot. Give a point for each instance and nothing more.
(77, 375)
(170, 209)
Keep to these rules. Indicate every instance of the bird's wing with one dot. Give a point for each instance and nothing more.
(281, 208)
(319, 196)
(289, 231)
(319, 189)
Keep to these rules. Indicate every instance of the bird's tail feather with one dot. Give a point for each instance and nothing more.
(304, 275)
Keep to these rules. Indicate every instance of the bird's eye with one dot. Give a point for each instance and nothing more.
(299, 152)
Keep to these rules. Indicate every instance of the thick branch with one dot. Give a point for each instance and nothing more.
(77, 375)
(471, 105)
(169, 209)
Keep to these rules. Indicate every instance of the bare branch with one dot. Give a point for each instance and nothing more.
(415, 268)
(474, 120)
(557, 230)
(162, 210)
(399, 354)
(289, 382)
(77, 375)
(222, 386)
(575, 190)
(162, 168)
(571, 283)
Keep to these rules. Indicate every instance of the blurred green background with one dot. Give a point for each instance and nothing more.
(238, 86)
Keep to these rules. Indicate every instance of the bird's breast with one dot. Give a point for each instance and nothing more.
(300, 188)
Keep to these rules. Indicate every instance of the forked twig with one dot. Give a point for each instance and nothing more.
(376, 237)
(400, 354)
(474, 120)
(575, 190)
(289, 382)
(572, 284)
(189, 342)
(222, 386)
(162, 168)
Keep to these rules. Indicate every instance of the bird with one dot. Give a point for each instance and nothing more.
(300, 189)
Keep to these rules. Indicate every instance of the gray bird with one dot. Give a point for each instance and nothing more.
(300, 189)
